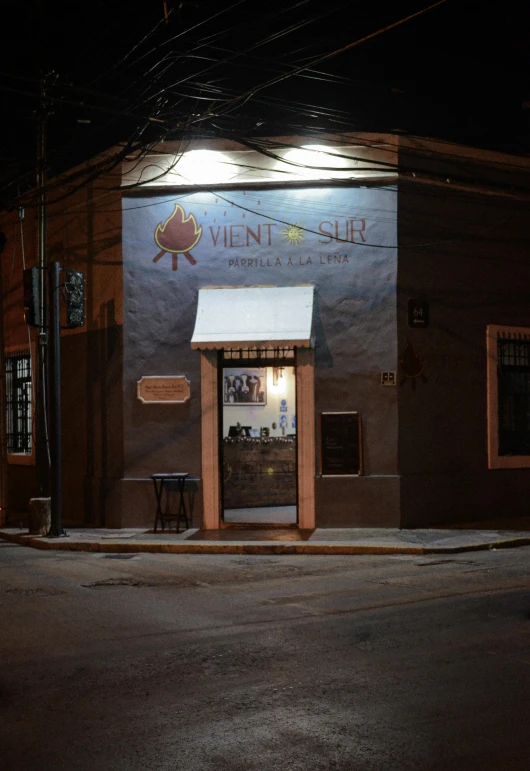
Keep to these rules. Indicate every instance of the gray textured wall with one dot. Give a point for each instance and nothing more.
(355, 318)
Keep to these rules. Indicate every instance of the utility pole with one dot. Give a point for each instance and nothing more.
(48, 450)
(42, 449)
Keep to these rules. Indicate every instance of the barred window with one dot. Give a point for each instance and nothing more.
(19, 412)
(508, 351)
(513, 374)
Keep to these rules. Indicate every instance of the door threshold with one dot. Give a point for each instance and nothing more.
(257, 525)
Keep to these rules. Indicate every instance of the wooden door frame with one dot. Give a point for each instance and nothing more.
(305, 430)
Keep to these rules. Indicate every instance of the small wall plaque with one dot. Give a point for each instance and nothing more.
(388, 378)
(163, 389)
(418, 314)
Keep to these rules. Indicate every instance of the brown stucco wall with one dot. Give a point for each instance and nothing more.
(84, 232)
(466, 253)
(21, 482)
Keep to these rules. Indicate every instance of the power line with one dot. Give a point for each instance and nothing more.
(336, 52)
(71, 102)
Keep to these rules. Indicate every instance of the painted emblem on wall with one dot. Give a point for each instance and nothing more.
(293, 234)
(178, 235)
(412, 364)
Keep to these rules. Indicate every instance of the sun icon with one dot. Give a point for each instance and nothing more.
(293, 234)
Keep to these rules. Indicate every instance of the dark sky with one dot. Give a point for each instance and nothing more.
(457, 71)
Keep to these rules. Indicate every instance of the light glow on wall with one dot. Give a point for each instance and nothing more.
(315, 161)
(202, 167)
(278, 381)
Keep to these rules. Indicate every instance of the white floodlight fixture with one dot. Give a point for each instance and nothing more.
(206, 167)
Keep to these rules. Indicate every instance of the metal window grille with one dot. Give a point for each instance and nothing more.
(18, 403)
(258, 355)
(513, 373)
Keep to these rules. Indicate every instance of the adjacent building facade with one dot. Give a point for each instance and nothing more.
(332, 335)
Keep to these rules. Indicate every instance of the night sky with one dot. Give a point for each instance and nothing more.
(141, 71)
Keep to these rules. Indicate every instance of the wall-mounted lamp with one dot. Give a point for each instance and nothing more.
(277, 373)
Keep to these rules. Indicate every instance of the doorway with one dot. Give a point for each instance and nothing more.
(258, 450)
(211, 450)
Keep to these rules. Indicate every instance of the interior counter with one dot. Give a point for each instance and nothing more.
(259, 472)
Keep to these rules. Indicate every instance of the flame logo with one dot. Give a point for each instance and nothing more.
(178, 235)
(411, 364)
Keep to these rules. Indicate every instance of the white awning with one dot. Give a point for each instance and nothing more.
(249, 317)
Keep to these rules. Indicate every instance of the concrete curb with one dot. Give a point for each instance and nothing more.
(253, 547)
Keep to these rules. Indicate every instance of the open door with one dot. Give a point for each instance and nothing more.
(258, 437)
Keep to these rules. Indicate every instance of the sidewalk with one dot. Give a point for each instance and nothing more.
(277, 541)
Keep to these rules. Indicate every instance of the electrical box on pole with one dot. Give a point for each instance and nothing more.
(32, 297)
(74, 289)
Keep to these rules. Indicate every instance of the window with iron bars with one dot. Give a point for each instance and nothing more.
(259, 355)
(513, 380)
(19, 414)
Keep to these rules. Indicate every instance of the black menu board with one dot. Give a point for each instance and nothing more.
(340, 443)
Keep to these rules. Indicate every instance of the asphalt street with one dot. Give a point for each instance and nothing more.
(200, 662)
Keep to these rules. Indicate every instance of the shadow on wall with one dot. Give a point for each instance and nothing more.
(323, 357)
(104, 437)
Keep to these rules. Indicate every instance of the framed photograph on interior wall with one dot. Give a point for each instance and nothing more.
(244, 386)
